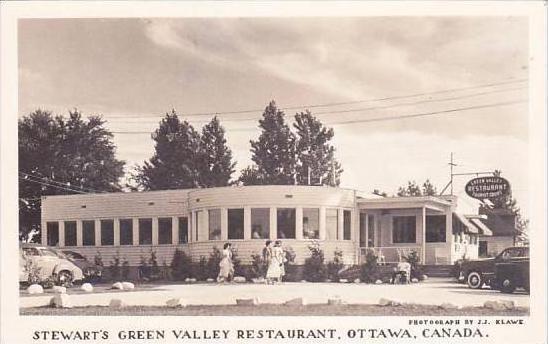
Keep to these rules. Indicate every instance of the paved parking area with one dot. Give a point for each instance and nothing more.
(432, 292)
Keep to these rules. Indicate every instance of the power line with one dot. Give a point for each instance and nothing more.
(386, 106)
(51, 181)
(312, 106)
(53, 186)
(381, 119)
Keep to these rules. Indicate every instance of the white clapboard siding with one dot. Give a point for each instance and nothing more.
(115, 205)
(271, 195)
(243, 249)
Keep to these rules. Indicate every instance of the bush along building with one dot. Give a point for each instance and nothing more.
(130, 226)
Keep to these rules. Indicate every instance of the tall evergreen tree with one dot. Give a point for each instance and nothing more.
(274, 151)
(316, 163)
(174, 163)
(215, 165)
(60, 156)
(413, 189)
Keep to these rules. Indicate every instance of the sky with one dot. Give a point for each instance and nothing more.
(465, 78)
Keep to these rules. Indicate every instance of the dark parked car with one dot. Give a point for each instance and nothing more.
(91, 271)
(478, 273)
(512, 274)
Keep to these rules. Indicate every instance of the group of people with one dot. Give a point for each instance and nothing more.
(273, 256)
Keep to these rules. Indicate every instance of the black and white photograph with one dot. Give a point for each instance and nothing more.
(254, 167)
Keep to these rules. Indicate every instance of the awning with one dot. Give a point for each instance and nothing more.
(470, 228)
(483, 228)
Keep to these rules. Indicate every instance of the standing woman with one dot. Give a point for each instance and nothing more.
(282, 258)
(226, 267)
(267, 257)
(274, 272)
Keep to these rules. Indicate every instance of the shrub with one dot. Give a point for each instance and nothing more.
(334, 266)
(98, 260)
(181, 266)
(154, 268)
(369, 269)
(258, 267)
(144, 269)
(212, 266)
(413, 258)
(239, 269)
(114, 268)
(125, 269)
(314, 266)
(200, 270)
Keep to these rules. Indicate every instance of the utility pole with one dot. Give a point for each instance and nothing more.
(451, 164)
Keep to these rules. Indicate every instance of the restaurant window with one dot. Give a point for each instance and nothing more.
(260, 223)
(88, 233)
(311, 223)
(331, 223)
(404, 230)
(165, 232)
(126, 232)
(482, 249)
(198, 215)
(235, 223)
(145, 231)
(53, 233)
(214, 224)
(183, 230)
(107, 232)
(70, 233)
(286, 223)
(435, 228)
(371, 230)
(347, 224)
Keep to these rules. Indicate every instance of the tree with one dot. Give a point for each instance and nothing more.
(316, 163)
(414, 190)
(174, 163)
(251, 176)
(215, 164)
(509, 203)
(62, 156)
(274, 151)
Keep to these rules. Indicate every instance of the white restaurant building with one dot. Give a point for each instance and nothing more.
(196, 220)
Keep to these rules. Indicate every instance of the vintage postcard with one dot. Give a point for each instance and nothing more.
(348, 172)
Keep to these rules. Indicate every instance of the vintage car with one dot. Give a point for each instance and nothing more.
(40, 263)
(512, 274)
(92, 272)
(477, 273)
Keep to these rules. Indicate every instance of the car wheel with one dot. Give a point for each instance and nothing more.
(64, 278)
(475, 280)
(507, 286)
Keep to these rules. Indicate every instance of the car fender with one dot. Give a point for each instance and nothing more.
(74, 270)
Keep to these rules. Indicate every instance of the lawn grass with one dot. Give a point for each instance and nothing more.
(277, 310)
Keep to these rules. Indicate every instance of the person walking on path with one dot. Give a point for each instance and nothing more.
(226, 267)
(274, 272)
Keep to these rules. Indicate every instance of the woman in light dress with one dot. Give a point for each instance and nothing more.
(226, 267)
(276, 268)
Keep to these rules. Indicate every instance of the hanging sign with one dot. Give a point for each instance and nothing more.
(487, 187)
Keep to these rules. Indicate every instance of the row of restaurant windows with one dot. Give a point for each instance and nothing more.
(404, 229)
(260, 227)
(285, 220)
(126, 232)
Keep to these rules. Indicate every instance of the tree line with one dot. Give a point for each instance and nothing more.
(59, 155)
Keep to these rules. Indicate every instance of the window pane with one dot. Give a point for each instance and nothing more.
(183, 230)
(331, 223)
(165, 233)
(107, 232)
(435, 228)
(371, 230)
(88, 233)
(286, 223)
(404, 229)
(70, 233)
(311, 223)
(214, 224)
(145, 231)
(260, 223)
(53, 233)
(347, 220)
(235, 223)
(126, 232)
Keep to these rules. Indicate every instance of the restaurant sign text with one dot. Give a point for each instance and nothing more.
(487, 187)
